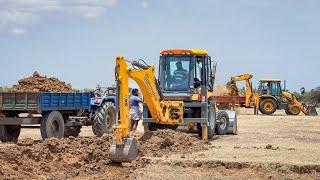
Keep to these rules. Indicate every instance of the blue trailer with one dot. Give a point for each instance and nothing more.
(59, 114)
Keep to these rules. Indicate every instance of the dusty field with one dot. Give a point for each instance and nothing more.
(267, 147)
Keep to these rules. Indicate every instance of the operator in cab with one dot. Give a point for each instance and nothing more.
(180, 76)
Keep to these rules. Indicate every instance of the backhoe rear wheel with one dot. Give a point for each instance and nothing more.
(104, 119)
(268, 106)
(292, 110)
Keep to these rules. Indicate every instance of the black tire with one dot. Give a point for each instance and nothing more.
(287, 112)
(52, 125)
(104, 119)
(72, 131)
(222, 122)
(9, 133)
(268, 106)
(211, 127)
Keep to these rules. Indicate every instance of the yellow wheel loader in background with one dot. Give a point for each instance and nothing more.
(271, 97)
(181, 96)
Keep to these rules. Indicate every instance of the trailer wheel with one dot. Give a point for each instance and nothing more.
(222, 122)
(72, 131)
(104, 119)
(52, 125)
(9, 133)
(211, 127)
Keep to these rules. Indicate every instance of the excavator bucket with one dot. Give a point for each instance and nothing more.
(126, 152)
(312, 111)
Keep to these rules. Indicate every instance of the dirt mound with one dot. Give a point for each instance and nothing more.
(219, 90)
(166, 142)
(232, 88)
(38, 83)
(86, 157)
(52, 158)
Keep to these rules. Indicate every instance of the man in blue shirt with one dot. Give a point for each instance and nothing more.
(135, 112)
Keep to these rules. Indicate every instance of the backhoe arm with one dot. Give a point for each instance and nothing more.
(163, 112)
(246, 78)
(144, 76)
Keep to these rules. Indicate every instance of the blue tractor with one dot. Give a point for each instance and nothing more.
(103, 111)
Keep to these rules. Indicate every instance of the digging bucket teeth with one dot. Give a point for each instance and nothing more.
(312, 111)
(126, 152)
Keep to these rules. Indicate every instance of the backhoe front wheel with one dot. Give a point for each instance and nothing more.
(268, 106)
(222, 122)
(292, 110)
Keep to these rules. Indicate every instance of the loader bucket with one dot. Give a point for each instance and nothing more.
(126, 152)
(312, 111)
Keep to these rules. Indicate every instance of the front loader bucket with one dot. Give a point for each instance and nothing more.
(126, 152)
(312, 111)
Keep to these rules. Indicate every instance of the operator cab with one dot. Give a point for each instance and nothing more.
(182, 72)
(270, 87)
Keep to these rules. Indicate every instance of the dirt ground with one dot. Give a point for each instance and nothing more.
(267, 147)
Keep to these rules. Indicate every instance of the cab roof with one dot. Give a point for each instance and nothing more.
(184, 51)
(270, 80)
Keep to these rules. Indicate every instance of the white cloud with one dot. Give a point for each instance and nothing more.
(18, 14)
(18, 31)
(145, 4)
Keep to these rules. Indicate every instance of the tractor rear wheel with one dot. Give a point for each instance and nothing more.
(268, 106)
(104, 119)
(9, 133)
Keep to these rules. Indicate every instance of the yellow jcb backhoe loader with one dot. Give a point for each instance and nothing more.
(180, 97)
(271, 97)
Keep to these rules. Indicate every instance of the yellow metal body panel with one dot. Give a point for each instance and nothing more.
(184, 51)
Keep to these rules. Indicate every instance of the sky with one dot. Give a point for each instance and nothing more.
(78, 40)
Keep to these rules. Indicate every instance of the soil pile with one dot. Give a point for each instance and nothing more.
(86, 157)
(38, 83)
(232, 88)
(220, 91)
(52, 158)
(167, 142)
